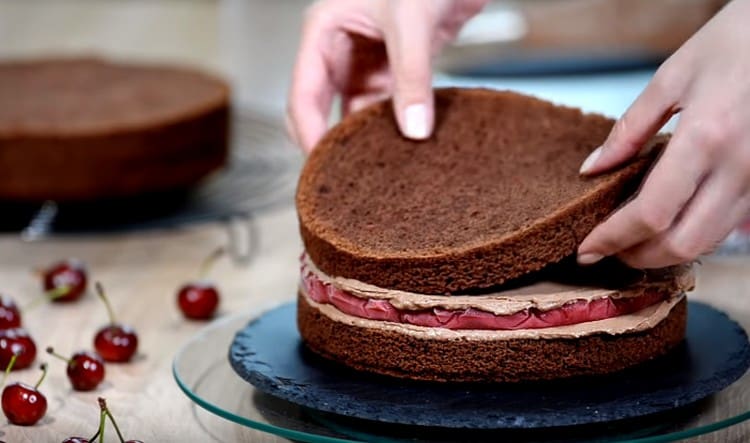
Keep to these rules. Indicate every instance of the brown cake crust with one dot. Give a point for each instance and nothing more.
(84, 128)
(406, 356)
(493, 195)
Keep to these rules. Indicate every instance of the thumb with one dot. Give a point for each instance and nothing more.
(643, 119)
(409, 30)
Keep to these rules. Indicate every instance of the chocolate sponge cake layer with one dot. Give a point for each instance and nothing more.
(386, 352)
(494, 194)
(85, 129)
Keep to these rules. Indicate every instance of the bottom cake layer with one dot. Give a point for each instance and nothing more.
(392, 353)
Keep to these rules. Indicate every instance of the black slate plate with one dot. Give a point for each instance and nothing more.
(268, 353)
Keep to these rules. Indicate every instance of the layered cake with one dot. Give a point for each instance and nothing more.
(450, 259)
(84, 128)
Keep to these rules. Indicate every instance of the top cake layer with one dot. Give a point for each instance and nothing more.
(494, 194)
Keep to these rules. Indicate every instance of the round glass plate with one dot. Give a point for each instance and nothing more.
(203, 372)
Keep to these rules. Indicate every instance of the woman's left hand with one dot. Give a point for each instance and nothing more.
(699, 188)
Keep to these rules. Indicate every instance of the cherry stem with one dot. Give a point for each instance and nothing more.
(209, 261)
(43, 367)
(105, 410)
(51, 351)
(100, 431)
(102, 416)
(103, 296)
(51, 295)
(9, 368)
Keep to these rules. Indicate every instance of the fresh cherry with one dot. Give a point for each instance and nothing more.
(85, 369)
(115, 342)
(18, 342)
(23, 404)
(198, 300)
(68, 276)
(10, 316)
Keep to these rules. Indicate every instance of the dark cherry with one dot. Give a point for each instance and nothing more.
(85, 369)
(10, 316)
(23, 404)
(198, 300)
(115, 342)
(16, 341)
(68, 276)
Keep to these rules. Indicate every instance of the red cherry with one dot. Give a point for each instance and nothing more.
(23, 404)
(115, 342)
(70, 274)
(16, 341)
(198, 300)
(10, 316)
(85, 369)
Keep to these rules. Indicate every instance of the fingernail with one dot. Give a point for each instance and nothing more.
(588, 164)
(589, 258)
(415, 119)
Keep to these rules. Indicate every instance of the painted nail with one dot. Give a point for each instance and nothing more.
(588, 164)
(589, 258)
(415, 119)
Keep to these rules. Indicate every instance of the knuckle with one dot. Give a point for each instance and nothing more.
(622, 135)
(683, 250)
(317, 14)
(631, 260)
(414, 76)
(663, 82)
(742, 163)
(653, 218)
(709, 135)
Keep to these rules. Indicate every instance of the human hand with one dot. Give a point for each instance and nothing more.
(366, 51)
(699, 188)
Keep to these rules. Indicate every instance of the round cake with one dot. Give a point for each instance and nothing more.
(450, 259)
(84, 129)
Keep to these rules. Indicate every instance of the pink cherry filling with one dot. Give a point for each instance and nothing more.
(574, 312)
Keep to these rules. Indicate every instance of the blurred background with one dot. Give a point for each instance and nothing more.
(595, 54)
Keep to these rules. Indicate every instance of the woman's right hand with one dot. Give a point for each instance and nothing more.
(366, 51)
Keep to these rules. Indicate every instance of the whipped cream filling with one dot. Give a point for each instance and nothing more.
(564, 305)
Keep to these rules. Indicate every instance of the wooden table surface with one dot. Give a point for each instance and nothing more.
(142, 270)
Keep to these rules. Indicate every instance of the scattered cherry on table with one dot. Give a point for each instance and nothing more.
(199, 299)
(115, 342)
(10, 315)
(85, 369)
(16, 342)
(23, 404)
(68, 276)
